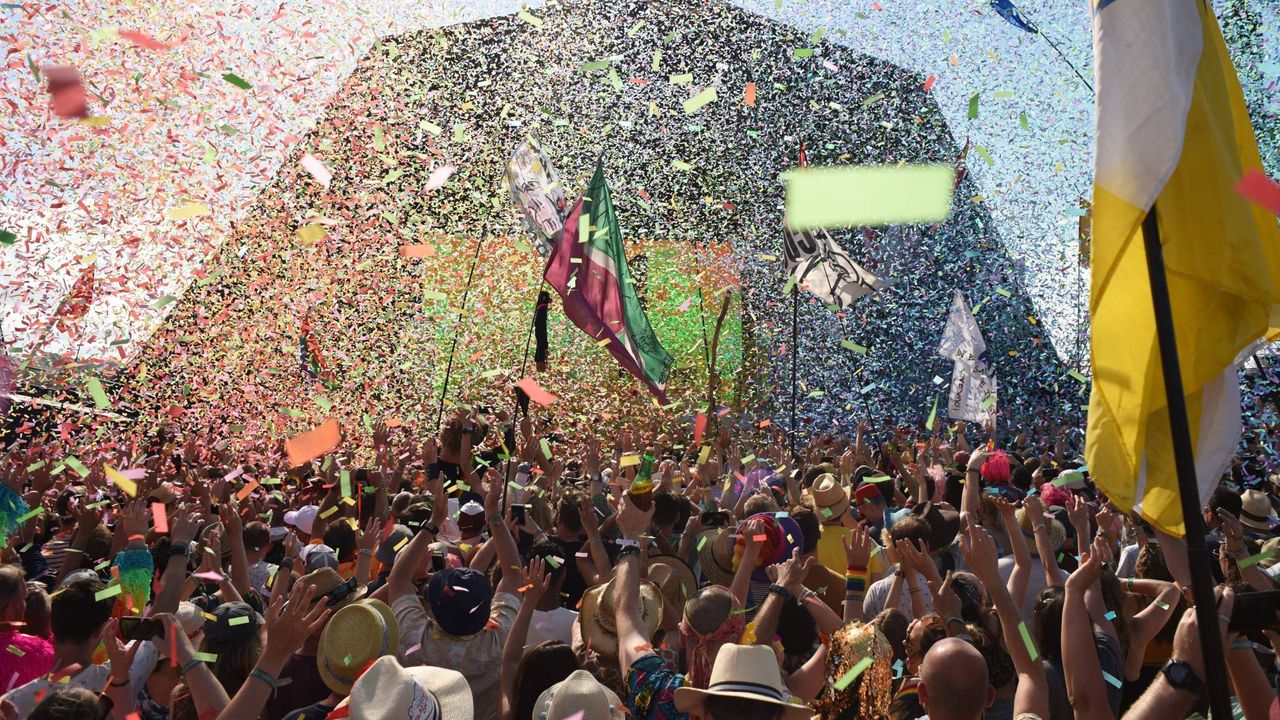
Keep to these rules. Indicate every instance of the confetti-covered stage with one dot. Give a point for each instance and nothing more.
(345, 297)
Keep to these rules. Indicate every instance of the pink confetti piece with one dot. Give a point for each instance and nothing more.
(159, 518)
(413, 649)
(209, 576)
(1259, 188)
(143, 40)
(317, 170)
(439, 177)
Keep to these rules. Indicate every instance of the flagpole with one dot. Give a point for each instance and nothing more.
(448, 372)
(1198, 556)
(795, 352)
(515, 412)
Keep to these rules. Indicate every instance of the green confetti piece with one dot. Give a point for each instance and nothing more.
(7, 238)
(853, 673)
(1003, 293)
(344, 480)
(681, 165)
(699, 101)
(546, 448)
(701, 542)
(991, 400)
(854, 196)
(109, 591)
(1026, 640)
(16, 650)
(552, 562)
(748, 459)
(986, 156)
(533, 20)
(973, 106)
(1255, 559)
(1075, 375)
(873, 99)
(817, 36)
(681, 79)
(853, 346)
(657, 59)
(1162, 605)
(430, 127)
(593, 65)
(1022, 121)
(36, 465)
(798, 53)
(205, 657)
(162, 302)
(94, 386)
(237, 81)
(933, 415)
(242, 620)
(74, 463)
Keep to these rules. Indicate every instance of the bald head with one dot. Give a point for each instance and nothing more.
(955, 673)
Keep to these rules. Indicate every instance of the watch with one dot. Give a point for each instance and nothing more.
(1181, 676)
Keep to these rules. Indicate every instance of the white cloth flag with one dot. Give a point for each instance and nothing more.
(536, 191)
(973, 383)
(823, 268)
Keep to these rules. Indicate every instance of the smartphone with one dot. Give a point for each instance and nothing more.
(517, 514)
(138, 628)
(1255, 611)
(437, 562)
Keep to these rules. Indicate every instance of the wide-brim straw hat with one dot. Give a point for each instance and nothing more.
(326, 580)
(354, 637)
(1057, 532)
(830, 497)
(715, 555)
(579, 696)
(749, 672)
(598, 621)
(675, 580)
(387, 691)
(1256, 511)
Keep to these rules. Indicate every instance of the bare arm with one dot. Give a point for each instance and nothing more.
(857, 552)
(750, 556)
(508, 552)
(632, 642)
(537, 582)
(1250, 683)
(809, 680)
(790, 575)
(1085, 685)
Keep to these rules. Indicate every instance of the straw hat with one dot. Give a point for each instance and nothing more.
(387, 691)
(599, 623)
(675, 580)
(715, 555)
(579, 696)
(327, 581)
(749, 672)
(355, 636)
(1256, 511)
(1057, 532)
(830, 497)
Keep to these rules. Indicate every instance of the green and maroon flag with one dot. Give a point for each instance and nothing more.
(588, 267)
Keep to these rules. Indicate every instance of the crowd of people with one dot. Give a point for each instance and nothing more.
(499, 571)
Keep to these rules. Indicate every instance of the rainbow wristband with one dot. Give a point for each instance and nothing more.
(855, 580)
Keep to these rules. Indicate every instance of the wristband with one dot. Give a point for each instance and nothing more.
(431, 529)
(495, 519)
(366, 552)
(265, 677)
(190, 665)
(955, 619)
(785, 594)
(623, 542)
(182, 549)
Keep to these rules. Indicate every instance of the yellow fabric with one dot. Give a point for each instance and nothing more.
(1222, 256)
(830, 552)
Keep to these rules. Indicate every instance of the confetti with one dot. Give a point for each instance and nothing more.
(852, 674)
(840, 196)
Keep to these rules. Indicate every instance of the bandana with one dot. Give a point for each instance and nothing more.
(701, 646)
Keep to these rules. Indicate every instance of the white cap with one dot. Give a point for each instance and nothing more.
(303, 518)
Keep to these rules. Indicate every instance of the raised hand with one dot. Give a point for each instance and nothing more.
(792, 571)
(631, 520)
(858, 547)
(979, 552)
(945, 600)
(291, 624)
(367, 539)
(536, 581)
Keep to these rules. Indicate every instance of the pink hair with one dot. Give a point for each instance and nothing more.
(996, 468)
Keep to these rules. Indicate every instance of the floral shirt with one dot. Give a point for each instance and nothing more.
(651, 690)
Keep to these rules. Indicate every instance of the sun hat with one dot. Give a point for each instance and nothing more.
(460, 599)
(579, 696)
(831, 498)
(749, 672)
(354, 637)
(328, 583)
(715, 555)
(1256, 511)
(1057, 532)
(233, 621)
(392, 544)
(304, 518)
(598, 620)
(866, 493)
(675, 580)
(387, 691)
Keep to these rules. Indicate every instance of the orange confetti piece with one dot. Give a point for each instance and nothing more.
(749, 94)
(143, 40)
(417, 251)
(313, 443)
(535, 391)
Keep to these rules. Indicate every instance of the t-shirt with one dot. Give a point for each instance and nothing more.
(317, 711)
(651, 690)
(551, 625)
(878, 593)
(478, 657)
(24, 698)
(1035, 583)
(830, 552)
(33, 658)
(300, 685)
